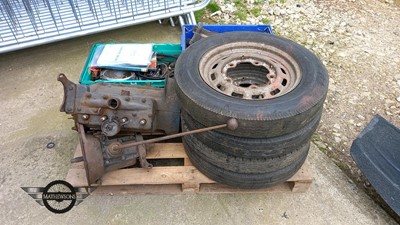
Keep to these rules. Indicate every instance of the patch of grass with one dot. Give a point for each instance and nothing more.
(341, 166)
(240, 4)
(315, 138)
(256, 11)
(265, 21)
(199, 14)
(277, 1)
(241, 15)
(213, 7)
(317, 141)
(322, 149)
(241, 9)
(259, 2)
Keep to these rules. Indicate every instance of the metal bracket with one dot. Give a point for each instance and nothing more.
(142, 153)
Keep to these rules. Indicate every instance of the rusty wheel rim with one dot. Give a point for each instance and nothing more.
(250, 71)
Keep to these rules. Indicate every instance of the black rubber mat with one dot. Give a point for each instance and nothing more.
(376, 151)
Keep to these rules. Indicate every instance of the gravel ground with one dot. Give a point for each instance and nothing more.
(358, 42)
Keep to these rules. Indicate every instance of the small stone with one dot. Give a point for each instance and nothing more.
(252, 21)
(278, 21)
(336, 126)
(332, 86)
(342, 54)
(365, 94)
(320, 144)
(216, 13)
(389, 113)
(359, 124)
(338, 140)
(360, 117)
(398, 99)
(351, 121)
(388, 101)
(336, 134)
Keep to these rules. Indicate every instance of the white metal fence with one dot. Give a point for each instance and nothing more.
(26, 23)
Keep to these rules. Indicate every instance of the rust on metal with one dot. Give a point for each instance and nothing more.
(92, 155)
(142, 154)
(102, 103)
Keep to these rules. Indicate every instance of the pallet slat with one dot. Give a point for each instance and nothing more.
(157, 175)
(172, 179)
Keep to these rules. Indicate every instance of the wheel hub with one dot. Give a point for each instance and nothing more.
(249, 71)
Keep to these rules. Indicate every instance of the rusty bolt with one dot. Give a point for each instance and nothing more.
(105, 97)
(134, 114)
(150, 115)
(79, 109)
(123, 120)
(71, 87)
(88, 95)
(85, 117)
(127, 99)
(69, 109)
(103, 118)
(143, 100)
(142, 122)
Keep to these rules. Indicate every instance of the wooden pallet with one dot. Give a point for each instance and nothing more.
(172, 179)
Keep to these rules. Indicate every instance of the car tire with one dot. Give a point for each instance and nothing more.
(302, 78)
(251, 147)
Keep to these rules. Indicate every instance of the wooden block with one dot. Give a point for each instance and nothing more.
(299, 186)
(166, 151)
(187, 162)
(78, 151)
(77, 177)
(190, 187)
(302, 175)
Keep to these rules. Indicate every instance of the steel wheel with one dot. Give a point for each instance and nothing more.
(249, 71)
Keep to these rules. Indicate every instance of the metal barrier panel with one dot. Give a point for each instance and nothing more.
(26, 23)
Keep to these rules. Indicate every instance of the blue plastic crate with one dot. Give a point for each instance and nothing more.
(187, 30)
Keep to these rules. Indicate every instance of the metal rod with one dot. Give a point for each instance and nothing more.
(132, 144)
(193, 18)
